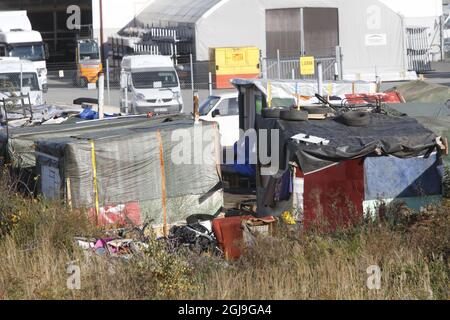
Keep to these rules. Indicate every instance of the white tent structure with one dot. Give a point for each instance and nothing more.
(370, 34)
(422, 13)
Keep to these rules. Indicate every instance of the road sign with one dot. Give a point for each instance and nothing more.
(307, 66)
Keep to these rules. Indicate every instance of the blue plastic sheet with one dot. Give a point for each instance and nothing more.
(391, 177)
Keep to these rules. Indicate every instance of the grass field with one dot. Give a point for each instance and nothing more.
(36, 248)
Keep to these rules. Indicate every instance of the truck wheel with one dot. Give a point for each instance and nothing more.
(294, 115)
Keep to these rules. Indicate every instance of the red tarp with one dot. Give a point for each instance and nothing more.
(334, 197)
(390, 97)
(123, 215)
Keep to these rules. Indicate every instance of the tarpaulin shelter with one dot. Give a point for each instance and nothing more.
(349, 170)
(434, 116)
(423, 92)
(126, 173)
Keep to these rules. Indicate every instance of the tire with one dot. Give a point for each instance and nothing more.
(294, 115)
(273, 113)
(356, 119)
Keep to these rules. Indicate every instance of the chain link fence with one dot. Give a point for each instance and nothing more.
(289, 68)
(67, 84)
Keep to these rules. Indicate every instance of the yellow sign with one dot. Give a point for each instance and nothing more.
(307, 66)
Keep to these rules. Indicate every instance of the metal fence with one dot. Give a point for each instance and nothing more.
(64, 85)
(418, 49)
(289, 68)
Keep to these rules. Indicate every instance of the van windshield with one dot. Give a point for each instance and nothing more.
(10, 82)
(32, 52)
(155, 79)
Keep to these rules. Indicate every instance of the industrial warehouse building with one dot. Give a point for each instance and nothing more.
(372, 36)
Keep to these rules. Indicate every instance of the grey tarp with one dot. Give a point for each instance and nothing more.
(18, 146)
(423, 92)
(434, 116)
(128, 168)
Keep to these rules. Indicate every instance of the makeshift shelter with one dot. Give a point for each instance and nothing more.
(423, 92)
(125, 172)
(333, 172)
(434, 116)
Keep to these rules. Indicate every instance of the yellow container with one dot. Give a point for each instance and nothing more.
(228, 63)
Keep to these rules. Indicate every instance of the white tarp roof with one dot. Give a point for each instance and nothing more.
(416, 8)
(289, 89)
(180, 11)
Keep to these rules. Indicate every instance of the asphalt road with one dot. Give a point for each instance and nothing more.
(63, 92)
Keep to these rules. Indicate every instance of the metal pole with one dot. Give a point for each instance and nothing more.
(339, 68)
(102, 48)
(21, 77)
(320, 78)
(441, 36)
(101, 95)
(107, 82)
(126, 98)
(192, 74)
(210, 84)
(278, 64)
(195, 102)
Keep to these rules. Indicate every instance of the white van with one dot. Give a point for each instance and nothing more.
(18, 39)
(223, 109)
(19, 76)
(152, 85)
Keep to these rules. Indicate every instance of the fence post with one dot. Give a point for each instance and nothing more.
(278, 64)
(320, 77)
(192, 74)
(293, 74)
(125, 85)
(210, 84)
(108, 88)
(339, 63)
(101, 95)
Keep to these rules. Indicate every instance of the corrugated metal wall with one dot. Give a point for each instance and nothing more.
(283, 32)
(307, 31)
(321, 29)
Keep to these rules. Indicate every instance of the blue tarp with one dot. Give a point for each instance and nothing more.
(391, 177)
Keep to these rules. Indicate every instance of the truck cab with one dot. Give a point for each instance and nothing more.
(19, 77)
(150, 85)
(17, 39)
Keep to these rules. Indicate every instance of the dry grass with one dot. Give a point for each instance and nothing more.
(36, 246)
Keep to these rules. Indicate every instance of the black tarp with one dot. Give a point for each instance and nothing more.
(397, 136)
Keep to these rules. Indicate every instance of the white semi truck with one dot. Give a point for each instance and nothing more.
(18, 39)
